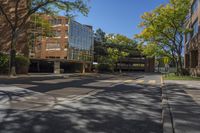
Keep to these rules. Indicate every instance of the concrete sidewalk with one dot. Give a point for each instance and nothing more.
(35, 75)
(181, 106)
(66, 75)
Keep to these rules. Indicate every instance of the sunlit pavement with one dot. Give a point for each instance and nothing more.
(101, 104)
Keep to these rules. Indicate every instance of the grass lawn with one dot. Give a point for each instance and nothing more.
(172, 76)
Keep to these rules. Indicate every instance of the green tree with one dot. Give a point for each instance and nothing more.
(99, 45)
(165, 28)
(100, 35)
(122, 46)
(38, 26)
(19, 22)
(151, 50)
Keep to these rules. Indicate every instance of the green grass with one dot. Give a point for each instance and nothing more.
(172, 76)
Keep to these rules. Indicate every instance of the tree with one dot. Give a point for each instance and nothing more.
(123, 45)
(151, 50)
(100, 35)
(99, 42)
(38, 26)
(19, 17)
(165, 28)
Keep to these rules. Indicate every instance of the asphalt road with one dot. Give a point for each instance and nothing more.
(91, 104)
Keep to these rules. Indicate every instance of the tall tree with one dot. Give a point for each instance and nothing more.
(122, 45)
(164, 27)
(100, 35)
(21, 11)
(99, 42)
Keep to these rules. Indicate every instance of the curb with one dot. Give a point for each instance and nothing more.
(167, 118)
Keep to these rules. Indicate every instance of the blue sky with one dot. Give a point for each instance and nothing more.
(118, 16)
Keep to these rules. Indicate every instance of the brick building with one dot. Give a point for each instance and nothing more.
(5, 30)
(54, 47)
(192, 40)
(70, 49)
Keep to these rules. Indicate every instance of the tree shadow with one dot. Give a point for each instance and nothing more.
(185, 109)
(122, 108)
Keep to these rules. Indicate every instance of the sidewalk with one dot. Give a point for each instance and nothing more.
(47, 75)
(67, 75)
(182, 104)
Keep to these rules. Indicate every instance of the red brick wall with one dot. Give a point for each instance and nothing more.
(63, 41)
(5, 30)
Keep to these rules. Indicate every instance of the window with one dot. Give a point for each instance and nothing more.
(187, 37)
(195, 6)
(195, 28)
(53, 46)
(55, 21)
(57, 34)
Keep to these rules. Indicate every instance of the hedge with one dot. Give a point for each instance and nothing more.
(22, 64)
(105, 67)
(4, 63)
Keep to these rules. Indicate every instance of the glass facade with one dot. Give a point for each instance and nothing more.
(81, 42)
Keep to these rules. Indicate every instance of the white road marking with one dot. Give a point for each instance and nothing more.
(129, 81)
(140, 81)
(151, 81)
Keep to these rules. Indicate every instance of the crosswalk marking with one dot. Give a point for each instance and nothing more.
(151, 81)
(128, 81)
(139, 81)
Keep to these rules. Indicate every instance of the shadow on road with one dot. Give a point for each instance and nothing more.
(122, 108)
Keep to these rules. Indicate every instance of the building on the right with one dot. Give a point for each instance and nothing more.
(192, 40)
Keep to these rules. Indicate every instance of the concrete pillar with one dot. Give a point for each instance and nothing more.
(83, 68)
(56, 67)
(88, 67)
(38, 66)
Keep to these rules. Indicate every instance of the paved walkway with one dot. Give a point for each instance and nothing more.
(184, 103)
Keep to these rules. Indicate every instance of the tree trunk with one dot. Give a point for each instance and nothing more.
(120, 67)
(13, 55)
(177, 66)
(180, 65)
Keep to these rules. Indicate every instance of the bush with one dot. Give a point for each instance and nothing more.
(22, 64)
(105, 68)
(22, 61)
(186, 72)
(4, 63)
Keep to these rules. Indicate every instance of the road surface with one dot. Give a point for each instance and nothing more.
(96, 104)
